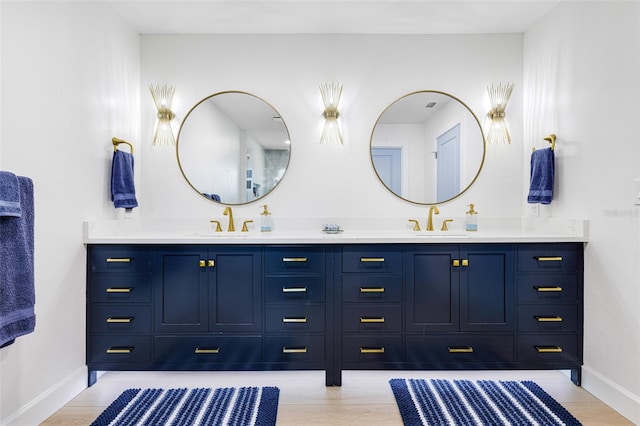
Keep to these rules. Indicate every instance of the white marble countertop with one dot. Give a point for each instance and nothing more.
(355, 231)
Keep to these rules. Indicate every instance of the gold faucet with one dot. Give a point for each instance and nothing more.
(444, 224)
(432, 210)
(229, 212)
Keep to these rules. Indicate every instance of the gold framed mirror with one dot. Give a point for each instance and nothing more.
(233, 148)
(427, 147)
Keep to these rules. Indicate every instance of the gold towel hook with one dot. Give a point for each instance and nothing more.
(117, 142)
(552, 140)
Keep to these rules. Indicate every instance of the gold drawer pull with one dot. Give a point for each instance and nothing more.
(206, 351)
(294, 289)
(455, 262)
(118, 260)
(460, 350)
(293, 350)
(294, 259)
(372, 350)
(120, 350)
(371, 319)
(371, 289)
(548, 258)
(547, 289)
(119, 289)
(548, 349)
(202, 263)
(465, 262)
(548, 319)
(294, 319)
(119, 320)
(372, 259)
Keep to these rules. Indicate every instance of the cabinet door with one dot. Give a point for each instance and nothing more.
(235, 297)
(432, 288)
(180, 289)
(487, 283)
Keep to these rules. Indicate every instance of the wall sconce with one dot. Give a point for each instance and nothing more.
(162, 97)
(499, 98)
(330, 97)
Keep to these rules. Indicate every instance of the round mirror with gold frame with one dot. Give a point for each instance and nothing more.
(427, 147)
(233, 147)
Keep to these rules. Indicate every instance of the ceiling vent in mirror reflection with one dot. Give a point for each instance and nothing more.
(427, 147)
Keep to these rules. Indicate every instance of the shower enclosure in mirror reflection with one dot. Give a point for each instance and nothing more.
(233, 147)
(427, 147)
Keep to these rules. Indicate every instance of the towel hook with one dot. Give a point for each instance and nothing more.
(117, 142)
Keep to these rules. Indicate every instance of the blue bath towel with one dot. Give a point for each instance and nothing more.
(542, 171)
(9, 195)
(123, 190)
(17, 290)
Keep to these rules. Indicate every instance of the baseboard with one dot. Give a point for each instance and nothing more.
(50, 401)
(618, 398)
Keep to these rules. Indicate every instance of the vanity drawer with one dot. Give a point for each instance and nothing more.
(295, 349)
(304, 318)
(120, 319)
(121, 288)
(119, 259)
(207, 349)
(371, 349)
(371, 258)
(372, 318)
(459, 348)
(547, 258)
(548, 348)
(372, 288)
(548, 288)
(548, 318)
(294, 289)
(294, 259)
(117, 348)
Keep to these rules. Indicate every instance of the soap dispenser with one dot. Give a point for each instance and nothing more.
(266, 222)
(471, 220)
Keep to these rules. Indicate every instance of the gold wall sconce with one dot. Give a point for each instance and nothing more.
(331, 93)
(499, 98)
(163, 97)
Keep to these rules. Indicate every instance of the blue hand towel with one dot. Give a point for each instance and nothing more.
(9, 195)
(542, 171)
(123, 190)
(17, 316)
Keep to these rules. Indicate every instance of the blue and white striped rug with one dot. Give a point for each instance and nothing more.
(474, 403)
(189, 407)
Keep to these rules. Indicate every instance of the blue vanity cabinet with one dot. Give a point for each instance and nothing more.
(295, 292)
(119, 308)
(369, 307)
(459, 306)
(207, 307)
(550, 309)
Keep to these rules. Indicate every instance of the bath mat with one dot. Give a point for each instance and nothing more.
(224, 406)
(481, 402)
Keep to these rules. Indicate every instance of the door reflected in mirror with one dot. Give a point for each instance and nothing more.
(233, 147)
(427, 147)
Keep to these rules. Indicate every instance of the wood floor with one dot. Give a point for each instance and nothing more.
(365, 398)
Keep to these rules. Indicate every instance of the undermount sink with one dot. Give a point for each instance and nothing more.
(441, 234)
(224, 234)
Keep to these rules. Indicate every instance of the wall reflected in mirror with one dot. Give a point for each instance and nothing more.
(427, 147)
(233, 147)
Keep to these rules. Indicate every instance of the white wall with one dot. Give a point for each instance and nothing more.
(286, 70)
(582, 82)
(69, 83)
